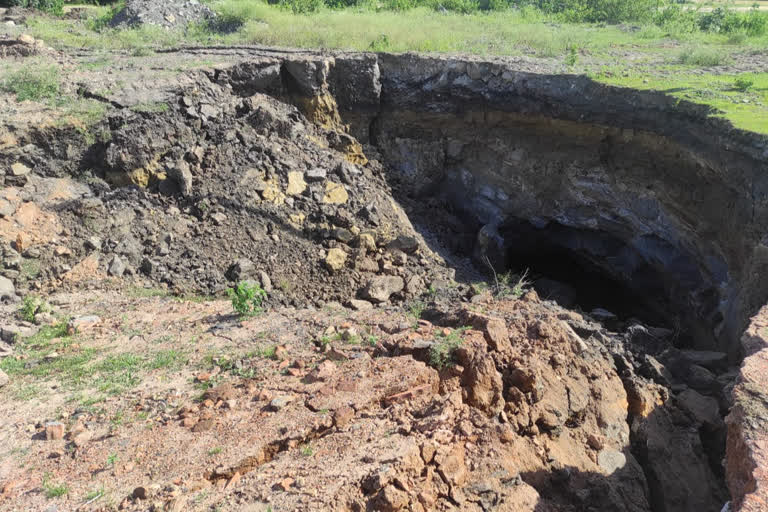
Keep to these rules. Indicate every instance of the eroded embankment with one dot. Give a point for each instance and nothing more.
(644, 189)
(628, 189)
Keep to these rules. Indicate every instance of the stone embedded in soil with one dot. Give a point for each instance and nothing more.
(335, 259)
(116, 267)
(380, 288)
(19, 169)
(54, 431)
(335, 193)
(7, 289)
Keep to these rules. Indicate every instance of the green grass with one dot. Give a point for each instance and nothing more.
(704, 57)
(53, 490)
(746, 109)
(34, 81)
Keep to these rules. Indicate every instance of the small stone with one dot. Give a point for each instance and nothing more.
(140, 493)
(82, 323)
(7, 208)
(285, 484)
(611, 460)
(335, 193)
(280, 402)
(406, 244)
(360, 305)
(316, 174)
(335, 259)
(19, 169)
(7, 290)
(296, 183)
(54, 431)
(116, 267)
(343, 415)
(26, 39)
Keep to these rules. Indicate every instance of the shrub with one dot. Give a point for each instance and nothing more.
(302, 6)
(247, 298)
(743, 84)
(34, 83)
(442, 353)
(722, 19)
(49, 6)
(606, 11)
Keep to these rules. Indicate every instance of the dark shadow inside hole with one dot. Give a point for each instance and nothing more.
(588, 269)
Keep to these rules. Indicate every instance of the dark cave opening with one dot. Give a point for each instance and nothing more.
(589, 269)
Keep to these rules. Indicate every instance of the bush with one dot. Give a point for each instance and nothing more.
(302, 6)
(743, 84)
(49, 6)
(247, 298)
(599, 11)
(722, 19)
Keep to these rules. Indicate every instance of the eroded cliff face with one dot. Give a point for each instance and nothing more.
(649, 192)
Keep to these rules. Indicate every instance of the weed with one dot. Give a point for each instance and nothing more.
(706, 57)
(247, 298)
(53, 490)
(372, 340)
(416, 309)
(31, 306)
(441, 354)
(572, 57)
(743, 84)
(94, 495)
(35, 83)
(111, 459)
(171, 359)
(215, 451)
(30, 269)
(307, 451)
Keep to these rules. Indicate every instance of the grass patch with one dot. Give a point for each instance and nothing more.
(705, 57)
(53, 490)
(746, 109)
(168, 359)
(34, 82)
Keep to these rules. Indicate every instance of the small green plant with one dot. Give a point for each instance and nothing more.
(31, 306)
(442, 353)
(372, 340)
(111, 459)
(307, 451)
(53, 490)
(94, 495)
(215, 451)
(743, 84)
(572, 57)
(416, 309)
(34, 83)
(247, 298)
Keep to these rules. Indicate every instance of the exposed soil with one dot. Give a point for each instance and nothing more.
(370, 196)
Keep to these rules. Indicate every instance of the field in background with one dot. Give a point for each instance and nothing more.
(716, 58)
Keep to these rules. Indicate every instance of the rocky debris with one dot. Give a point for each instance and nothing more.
(22, 46)
(747, 447)
(335, 259)
(171, 13)
(4, 379)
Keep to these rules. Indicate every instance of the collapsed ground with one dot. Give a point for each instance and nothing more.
(385, 375)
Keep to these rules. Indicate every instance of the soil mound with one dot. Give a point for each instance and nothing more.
(173, 13)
